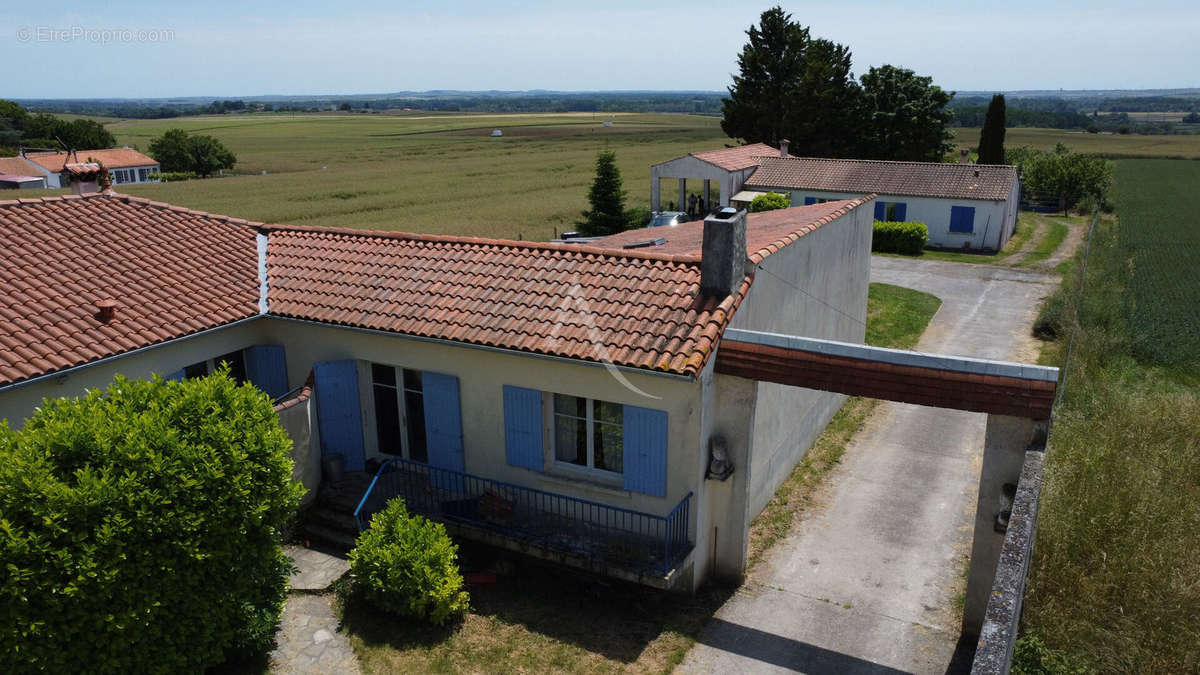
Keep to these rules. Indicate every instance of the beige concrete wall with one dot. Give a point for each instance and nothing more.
(816, 287)
(482, 375)
(17, 403)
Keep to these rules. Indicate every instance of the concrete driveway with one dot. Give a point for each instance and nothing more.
(867, 582)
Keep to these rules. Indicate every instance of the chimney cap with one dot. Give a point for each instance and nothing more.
(725, 213)
(105, 309)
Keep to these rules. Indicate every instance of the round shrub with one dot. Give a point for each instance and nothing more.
(140, 528)
(769, 202)
(408, 565)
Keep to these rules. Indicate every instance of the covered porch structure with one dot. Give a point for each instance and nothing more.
(729, 168)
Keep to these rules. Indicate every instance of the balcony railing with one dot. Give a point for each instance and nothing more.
(607, 536)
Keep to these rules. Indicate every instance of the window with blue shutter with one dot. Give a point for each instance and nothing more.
(443, 421)
(809, 201)
(523, 427)
(880, 210)
(962, 219)
(901, 212)
(339, 415)
(645, 451)
(267, 369)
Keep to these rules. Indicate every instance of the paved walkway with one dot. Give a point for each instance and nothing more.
(866, 583)
(308, 640)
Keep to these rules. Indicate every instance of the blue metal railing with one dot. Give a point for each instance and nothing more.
(608, 535)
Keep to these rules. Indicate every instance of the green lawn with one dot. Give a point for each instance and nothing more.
(542, 619)
(1113, 584)
(1177, 146)
(426, 173)
(1036, 237)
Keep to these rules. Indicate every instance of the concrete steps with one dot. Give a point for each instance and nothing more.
(330, 522)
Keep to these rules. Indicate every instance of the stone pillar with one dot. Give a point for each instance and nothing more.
(707, 195)
(682, 206)
(1004, 449)
(655, 188)
(728, 516)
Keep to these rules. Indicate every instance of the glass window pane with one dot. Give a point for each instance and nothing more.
(570, 405)
(196, 370)
(387, 419)
(570, 440)
(237, 365)
(609, 447)
(609, 412)
(381, 374)
(412, 379)
(414, 412)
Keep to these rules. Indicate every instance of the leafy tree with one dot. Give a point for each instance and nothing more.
(907, 116)
(607, 199)
(141, 528)
(793, 86)
(770, 202)
(12, 112)
(991, 137)
(47, 130)
(1066, 176)
(203, 155)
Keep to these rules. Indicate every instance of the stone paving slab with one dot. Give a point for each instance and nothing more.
(315, 571)
(308, 640)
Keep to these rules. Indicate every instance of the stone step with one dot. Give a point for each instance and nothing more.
(336, 539)
(334, 519)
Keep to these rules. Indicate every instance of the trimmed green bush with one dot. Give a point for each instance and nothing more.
(769, 202)
(140, 528)
(906, 238)
(408, 565)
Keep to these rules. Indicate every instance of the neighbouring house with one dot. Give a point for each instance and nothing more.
(18, 174)
(728, 167)
(560, 400)
(965, 206)
(125, 165)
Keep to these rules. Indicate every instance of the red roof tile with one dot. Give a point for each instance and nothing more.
(171, 271)
(17, 166)
(735, 159)
(766, 232)
(629, 308)
(112, 158)
(915, 179)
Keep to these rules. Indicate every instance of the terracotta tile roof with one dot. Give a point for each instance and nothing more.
(114, 158)
(82, 170)
(734, 159)
(16, 166)
(629, 308)
(916, 179)
(172, 272)
(766, 232)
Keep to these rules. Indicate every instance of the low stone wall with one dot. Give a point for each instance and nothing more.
(297, 415)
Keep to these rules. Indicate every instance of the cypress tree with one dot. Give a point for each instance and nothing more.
(607, 199)
(991, 137)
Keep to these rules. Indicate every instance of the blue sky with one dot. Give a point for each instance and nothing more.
(222, 48)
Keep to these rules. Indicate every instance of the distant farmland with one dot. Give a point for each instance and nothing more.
(1117, 146)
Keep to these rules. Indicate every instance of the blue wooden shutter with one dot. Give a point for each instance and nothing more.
(809, 201)
(339, 415)
(962, 219)
(267, 369)
(176, 376)
(443, 421)
(901, 212)
(523, 427)
(880, 210)
(645, 448)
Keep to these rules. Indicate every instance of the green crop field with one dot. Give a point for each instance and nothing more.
(1113, 584)
(423, 173)
(1116, 146)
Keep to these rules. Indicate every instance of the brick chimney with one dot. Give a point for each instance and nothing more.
(723, 254)
(783, 147)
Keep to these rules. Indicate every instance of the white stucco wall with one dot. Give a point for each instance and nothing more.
(482, 375)
(993, 219)
(723, 183)
(816, 287)
(17, 403)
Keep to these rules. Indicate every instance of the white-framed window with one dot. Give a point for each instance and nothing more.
(588, 434)
(399, 411)
(143, 175)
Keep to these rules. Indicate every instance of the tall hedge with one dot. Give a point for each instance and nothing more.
(140, 528)
(907, 238)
